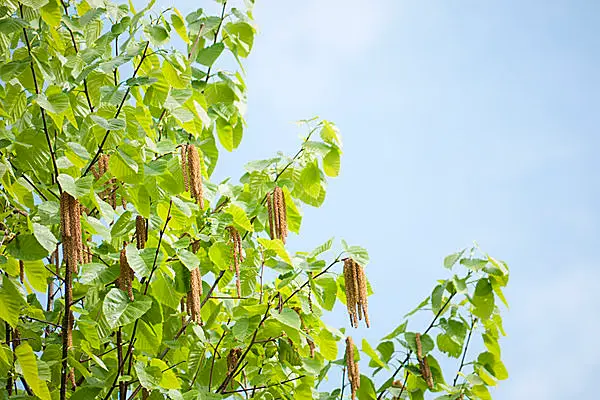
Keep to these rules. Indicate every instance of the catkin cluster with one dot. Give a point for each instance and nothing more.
(110, 193)
(356, 292)
(70, 227)
(277, 213)
(423, 364)
(232, 359)
(141, 232)
(352, 367)
(192, 173)
(236, 252)
(126, 276)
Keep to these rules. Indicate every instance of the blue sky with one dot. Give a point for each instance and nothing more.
(462, 121)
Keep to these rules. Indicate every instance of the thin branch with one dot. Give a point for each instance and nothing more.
(103, 142)
(85, 87)
(215, 38)
(308, 281)
(212, 364)
(343, 382)
(403, 385)
(462, 361)
(264, 386)
(440, 312)
(402, 364)
(41, 320)
(37, 91)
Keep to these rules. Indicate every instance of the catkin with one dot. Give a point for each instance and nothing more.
(277, 214)
(145, 394)
(232, 359)
(184, 167)
(109, 193)
(195, 174)
(141, 232)
(194, 295)
(423, 364)
(21, 271)
(70, 223)
(356, 292)
(126, 275)
(352, 367)
(236, 252)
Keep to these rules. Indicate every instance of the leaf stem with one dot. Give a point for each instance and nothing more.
(462, 361)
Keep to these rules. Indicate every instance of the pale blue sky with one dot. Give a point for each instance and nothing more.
(462, 121)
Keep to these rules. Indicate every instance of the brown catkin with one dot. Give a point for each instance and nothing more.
(184, 167)
(236, 252)
(141, 234)
(270, 215)
(362, 293)
(194, 295)
(125, 276)
(311, 347)
(70, 223)
(352, 367)
(419, 347)
(195, 175)
(279, 200)
(351, 294)
(21, 271)
(232, 359)
(426, 372)
(145, 394)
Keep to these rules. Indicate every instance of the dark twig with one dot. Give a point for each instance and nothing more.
(212, 364)
(462, 361)
(264, 386)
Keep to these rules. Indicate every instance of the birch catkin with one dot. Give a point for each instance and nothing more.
(277, 214)
(352, 367)
(126, 275)
(194, 295)
(356, 292)
(70, 223)
(236, 251)
(423, 364)
(192, 173)
(141, 232)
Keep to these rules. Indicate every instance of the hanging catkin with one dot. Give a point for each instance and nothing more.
(277, 214)
(109, 193)
(126, 275)
(70, 223)
(192, 172)
(236, 252)
(352, 367)
(356, 292)
(232, 359)
(141, 232)
(21, 271)
(423, 364)
(194, 295)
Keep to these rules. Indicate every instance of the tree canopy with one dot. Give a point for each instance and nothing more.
(127, 272)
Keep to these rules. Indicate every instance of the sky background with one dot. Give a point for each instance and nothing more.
(461, 121)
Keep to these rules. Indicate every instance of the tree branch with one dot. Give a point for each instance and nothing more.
(212, 364)
(462, 361)
(103, 142)
(264, 386)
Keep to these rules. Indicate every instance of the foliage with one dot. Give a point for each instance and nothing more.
(86, 79)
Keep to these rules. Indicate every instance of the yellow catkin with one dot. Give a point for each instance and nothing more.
(195, 175)
(281, 213)
(125, 276)
(141, 234)
(352, 367)
(21, 271)
(194, 295)
(184, 167)
(236, 252)
(351, 294)
(362, 303)
(270, 214)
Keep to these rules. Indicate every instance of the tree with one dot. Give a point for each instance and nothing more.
(127, 273)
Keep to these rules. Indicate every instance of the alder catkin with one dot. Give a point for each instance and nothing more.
(236, 251)
(195, 175)
(194, 295)
(270, 214)
(419, 346)
(21, 271)
(145, 394)
(362, 293)
(125, 276)
(351, 295)
(141, 234)
(281, 223)
(352, 367)
(426, 372)
(70, 224)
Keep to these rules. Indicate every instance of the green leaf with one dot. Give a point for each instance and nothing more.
(366, 391)
(331, 162)
(11, 302)
(29, 366)
(188, 259)
(56, 103)
(328, 295)
(208, 55)
(368, 350)
(27, 248)
(157, 34)
(482, 392)
(119, 310)
(288, 317)
(483, 299)
(330, 133)
(168, 378)
(399, 330)
(239, 217)
(136, 262)
(240, 329)
(36, 274)
(426, 342)
(44, 236)
(327, 344)
(220, 254)
(179, 25)
(450, 260)
(76, 188)
(277, 246)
